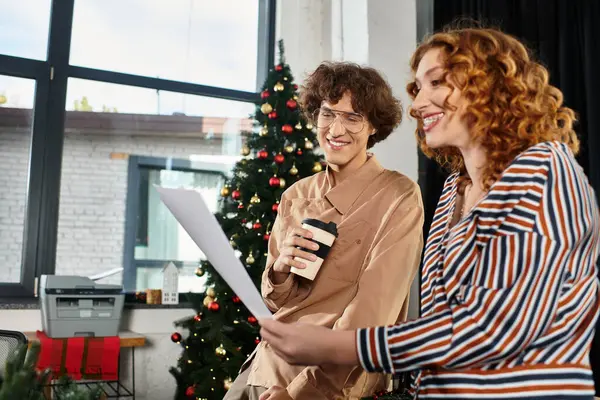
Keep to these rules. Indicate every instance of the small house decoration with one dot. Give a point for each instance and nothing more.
(170, 291)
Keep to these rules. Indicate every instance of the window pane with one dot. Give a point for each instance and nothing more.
(201, 41)
(16, 100)
(25, 25)
(106, 124)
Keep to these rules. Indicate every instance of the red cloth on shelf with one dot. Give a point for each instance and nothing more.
(80, 357)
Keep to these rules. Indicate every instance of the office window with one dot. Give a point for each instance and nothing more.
(106, 124)
(25, 26)
(208, 42)
(16, 103)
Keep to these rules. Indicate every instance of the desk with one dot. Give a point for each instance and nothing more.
(127, 339)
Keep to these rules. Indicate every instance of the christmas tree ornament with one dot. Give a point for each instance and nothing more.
(279, 158)
(198, 317)
(190, 391)
(207, 300)
(298, 126)
(260, 170)
(213, 306)
(264, 131)
(265, 94)
(257, 225)
(244, 151)
(275, 207)
(225, 191)
(236, 299)
(266, 108)
(291, 104)
(285, 78)
(240, 206)
(279, 68)
(176, 337)
(256, 341)
(295, 87)
(281, 183)
(211, 292)
(294, 170)
(309, 126)
(266, 237)
(287, 128)
(274, 181)
(252, 319)
(299, 152)
(308, 145)
(220, 351)
(255, 199)
(289, 149)
(262, 155)
(199, 271)
(317, 167)
(236, 194)
(233, 243)
(250, 259)
(227, 384)
(295, 97)
(273, 115)
(278, 87)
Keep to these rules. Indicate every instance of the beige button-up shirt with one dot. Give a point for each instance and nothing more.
(364, 281)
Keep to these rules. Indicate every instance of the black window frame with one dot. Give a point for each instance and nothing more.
(47, 133)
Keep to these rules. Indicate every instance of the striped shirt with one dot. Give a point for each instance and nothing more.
(509, 295)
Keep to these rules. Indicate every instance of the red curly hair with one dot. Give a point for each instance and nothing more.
(511, 105)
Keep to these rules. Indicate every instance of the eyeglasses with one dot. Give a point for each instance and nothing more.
(352, 122)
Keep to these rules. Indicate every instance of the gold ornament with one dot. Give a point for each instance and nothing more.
(293, 170)
(199, 271)
(211, 292)
(308, 145)
(298, 126)
(250, 259)
(309, 126)
(278, 87)
(289, 149)
(225, 191)
(281, 183)
(266, 108)
(245, 150)
(285, 78)
(232, 243)
(295, 97)
(227, 383)
(317, 167)
(255, 199)
(220, 351)
(264, 131)
(207, 300)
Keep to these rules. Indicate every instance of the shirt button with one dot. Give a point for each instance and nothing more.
(358, 241)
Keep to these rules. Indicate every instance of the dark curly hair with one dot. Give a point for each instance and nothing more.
(510, 104)
(371, 95)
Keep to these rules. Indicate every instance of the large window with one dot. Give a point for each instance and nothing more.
(87, 90)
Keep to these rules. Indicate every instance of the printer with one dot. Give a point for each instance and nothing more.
(75, 306)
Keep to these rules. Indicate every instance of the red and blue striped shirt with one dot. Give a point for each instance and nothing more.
(509, 295)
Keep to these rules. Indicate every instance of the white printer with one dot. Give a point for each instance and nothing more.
(77, 306)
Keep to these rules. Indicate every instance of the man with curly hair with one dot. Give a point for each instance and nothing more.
(366, 277)
(509, 294)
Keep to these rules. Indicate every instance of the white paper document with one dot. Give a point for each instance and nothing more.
(191, 212)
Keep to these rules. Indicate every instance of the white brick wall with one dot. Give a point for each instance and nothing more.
(93, 193)
(14, 156)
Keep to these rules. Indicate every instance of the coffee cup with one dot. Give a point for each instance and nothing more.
(324, 234)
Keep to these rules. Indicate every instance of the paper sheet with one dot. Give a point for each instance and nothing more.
(191, 212)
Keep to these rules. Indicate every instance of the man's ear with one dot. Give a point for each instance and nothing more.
(374, 132)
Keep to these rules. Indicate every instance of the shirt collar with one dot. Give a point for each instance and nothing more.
(343, 195)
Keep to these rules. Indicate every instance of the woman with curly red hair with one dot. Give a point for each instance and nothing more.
(509, 294)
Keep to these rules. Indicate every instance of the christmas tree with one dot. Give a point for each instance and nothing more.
(277, 154)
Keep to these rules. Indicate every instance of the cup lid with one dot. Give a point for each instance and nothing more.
(330, 227)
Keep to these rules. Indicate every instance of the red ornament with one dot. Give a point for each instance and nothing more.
(287, 128)
(197, 318)
(262, 155)
(295, 87)
(291, 104)
(264, 94)
(252, 319)
(244, 221)
(274, 181)
(257, 226)
(299, 152)
(240, 206)
(266, 237)
(213, 306)
(176, 337)
(279, 158)
(279, 67)
(236, 299)
(256, 341)
(273, 115)
(190, 391)
(275, 207)
(236, 194)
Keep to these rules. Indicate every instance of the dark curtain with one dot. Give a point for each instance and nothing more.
(565, 36)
